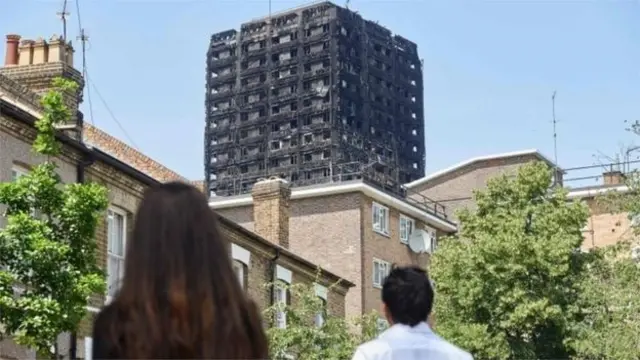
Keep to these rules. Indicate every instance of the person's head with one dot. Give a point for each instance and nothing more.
(407, 296)
(179, 295)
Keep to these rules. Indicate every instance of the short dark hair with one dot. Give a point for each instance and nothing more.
(408, 295)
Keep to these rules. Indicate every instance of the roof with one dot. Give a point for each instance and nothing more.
(593, 191)
(479, 159)
(155, 174)
(200, 185)
(93, 136)
(329, 189)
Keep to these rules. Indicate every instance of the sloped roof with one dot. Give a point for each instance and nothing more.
(479, 159)
(95, 137)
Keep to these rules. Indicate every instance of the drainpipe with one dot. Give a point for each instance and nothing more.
(86, 161)
(273, 276)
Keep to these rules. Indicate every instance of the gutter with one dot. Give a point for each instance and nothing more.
(87, 160)
(335, 189)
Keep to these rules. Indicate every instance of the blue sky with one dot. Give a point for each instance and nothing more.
(490, 70)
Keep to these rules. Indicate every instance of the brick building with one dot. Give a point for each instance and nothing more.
(454, 186)
(310, 94)
(351, 228)
(89, 154)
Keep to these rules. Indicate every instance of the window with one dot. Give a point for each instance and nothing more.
(380, 271)
(322, 294)
(282, 300)
(319, 319)
(406, 228)
(116, 238)
(238, 268)
(18, 172)
(380, 219)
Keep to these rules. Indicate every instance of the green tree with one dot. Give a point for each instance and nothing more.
(609, 294)
(507, 283)
(333, 338)
(47, 249)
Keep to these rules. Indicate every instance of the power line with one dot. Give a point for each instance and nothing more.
(111, 113)
(85, 74)
(78, 11)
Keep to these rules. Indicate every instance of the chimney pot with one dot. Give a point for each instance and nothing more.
(11, 55)
(271, 210)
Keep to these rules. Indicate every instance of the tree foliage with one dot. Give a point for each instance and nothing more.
(507, 284)
(609, 293)
(47, 249)
(334, 339)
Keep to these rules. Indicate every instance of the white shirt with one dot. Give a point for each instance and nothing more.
(402, 342)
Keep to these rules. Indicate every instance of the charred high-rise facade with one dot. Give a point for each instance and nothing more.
(312, 95)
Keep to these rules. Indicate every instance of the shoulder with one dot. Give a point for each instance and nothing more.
(374, 349)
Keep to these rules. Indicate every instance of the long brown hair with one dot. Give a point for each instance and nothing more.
(180, 297)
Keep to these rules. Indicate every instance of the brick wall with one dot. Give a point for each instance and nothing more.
(259, 272)
(454, 190)
(383, 247)
(336, 232)
(604, 228)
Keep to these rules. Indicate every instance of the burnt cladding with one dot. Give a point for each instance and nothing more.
(313, 95)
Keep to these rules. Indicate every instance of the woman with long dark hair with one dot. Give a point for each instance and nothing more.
(179, 298)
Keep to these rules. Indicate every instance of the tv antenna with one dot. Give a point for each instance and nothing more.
(63, 16)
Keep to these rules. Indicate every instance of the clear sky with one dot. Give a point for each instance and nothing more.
(490, 69)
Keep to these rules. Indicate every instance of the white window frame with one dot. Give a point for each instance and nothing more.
(407, 226)
(322, 294)
(319, 318)
(380, 218)
(238, 268)
(378, 283)
(18, 171)
(120, 258)
(241, 259)
(281, 298)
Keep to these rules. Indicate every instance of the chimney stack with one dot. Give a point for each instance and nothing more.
(614, 177)
(271, 210)
(26, 52)
(40, 52)
(11, 55)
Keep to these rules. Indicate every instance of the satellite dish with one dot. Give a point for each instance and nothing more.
(420, 241)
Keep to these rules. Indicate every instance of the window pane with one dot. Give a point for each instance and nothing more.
(114, 272)
(119, 233)
(376, 272)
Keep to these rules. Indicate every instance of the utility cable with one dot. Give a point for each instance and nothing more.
(95, 88)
